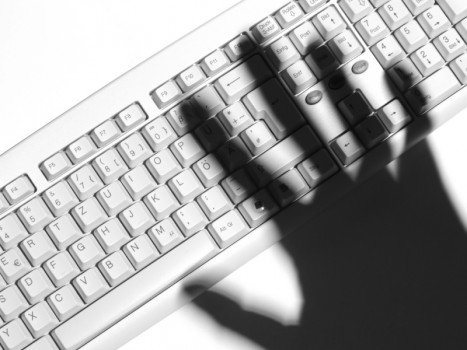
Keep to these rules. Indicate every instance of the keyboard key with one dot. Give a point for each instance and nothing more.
(63, 231)
(242, 79)
(12, 303)
(109, 166)
(305, 38)
(405, 74)
(19, 189)
(347, 148)
(89, 214)
(159, 134)
(459, 67)
(163, 166)
(209, 170)
(113, 198)
(12, 231)
(258, 138)
(214, 202)
(236, 118)
(238, 186)
(322, 61)
(165, 235)
(299, 77)
(355, 107)
(185, 186)
(65, 302)
(228, 228)
(14, 335)
(211, 134)
(111, 235)
(13, 265)
(345, 46)
(427, 59)
(134, 150)
(85, 182)
(187, 150)
(166, 94)
(450, 44)
(35, 215)
(105, 133)
(317, 168)
(44, 343)
(215, 62)
(288, 187)
(60, 198)
(356, 10)
(90, 285)
(137, 219)
(394, 116)
(454, 9)
(372, 28)
(207, 102)
(190, 218)
(86, 252)
(311, 5)
(271, 103)
(282, 53)
(161, 202)
(140, 252)
(283, 156)
(61, 269)
(55, 165)
(234, 154)
(265, 29)
(190, 78)
(388, 51)
(39, 319)
(169, 268)
(434, 21)
(418, 6)
(411, 36)
(80, 149)
(394, 13)
(329, 23)
(138, 182)
(433, 90)
(116, 268)
(130, 117)
(371, 131)
(239, 47)
(183, 118)
(38, 247)
(35, 286)
(289, 14)
(258, 208)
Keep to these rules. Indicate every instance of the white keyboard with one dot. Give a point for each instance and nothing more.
(189, 165)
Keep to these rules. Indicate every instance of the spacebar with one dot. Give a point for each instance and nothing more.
(137, 290)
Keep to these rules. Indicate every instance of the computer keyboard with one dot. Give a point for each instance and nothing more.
(190, 164)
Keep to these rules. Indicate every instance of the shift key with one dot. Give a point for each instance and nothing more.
(242, 79)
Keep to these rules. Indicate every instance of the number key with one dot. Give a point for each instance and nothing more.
(60, 198)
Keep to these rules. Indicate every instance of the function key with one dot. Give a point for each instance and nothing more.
(80, 149)
(55, 165)
(18, 189)
(130, 116)
(191, 77)
(265, 29)
(214, 62)
(329, 23)
(239, 47)
(166, 93)
(289, 14)
(105, 133)
(311, 5)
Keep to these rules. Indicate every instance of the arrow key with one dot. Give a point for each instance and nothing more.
(394, 116)
(347, 148)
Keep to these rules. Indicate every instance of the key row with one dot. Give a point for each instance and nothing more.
(89, 144)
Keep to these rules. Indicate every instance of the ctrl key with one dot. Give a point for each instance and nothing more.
(347, 147)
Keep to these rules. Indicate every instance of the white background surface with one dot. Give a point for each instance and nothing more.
(55, 53)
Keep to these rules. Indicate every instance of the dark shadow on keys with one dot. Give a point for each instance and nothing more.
(382, 267)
